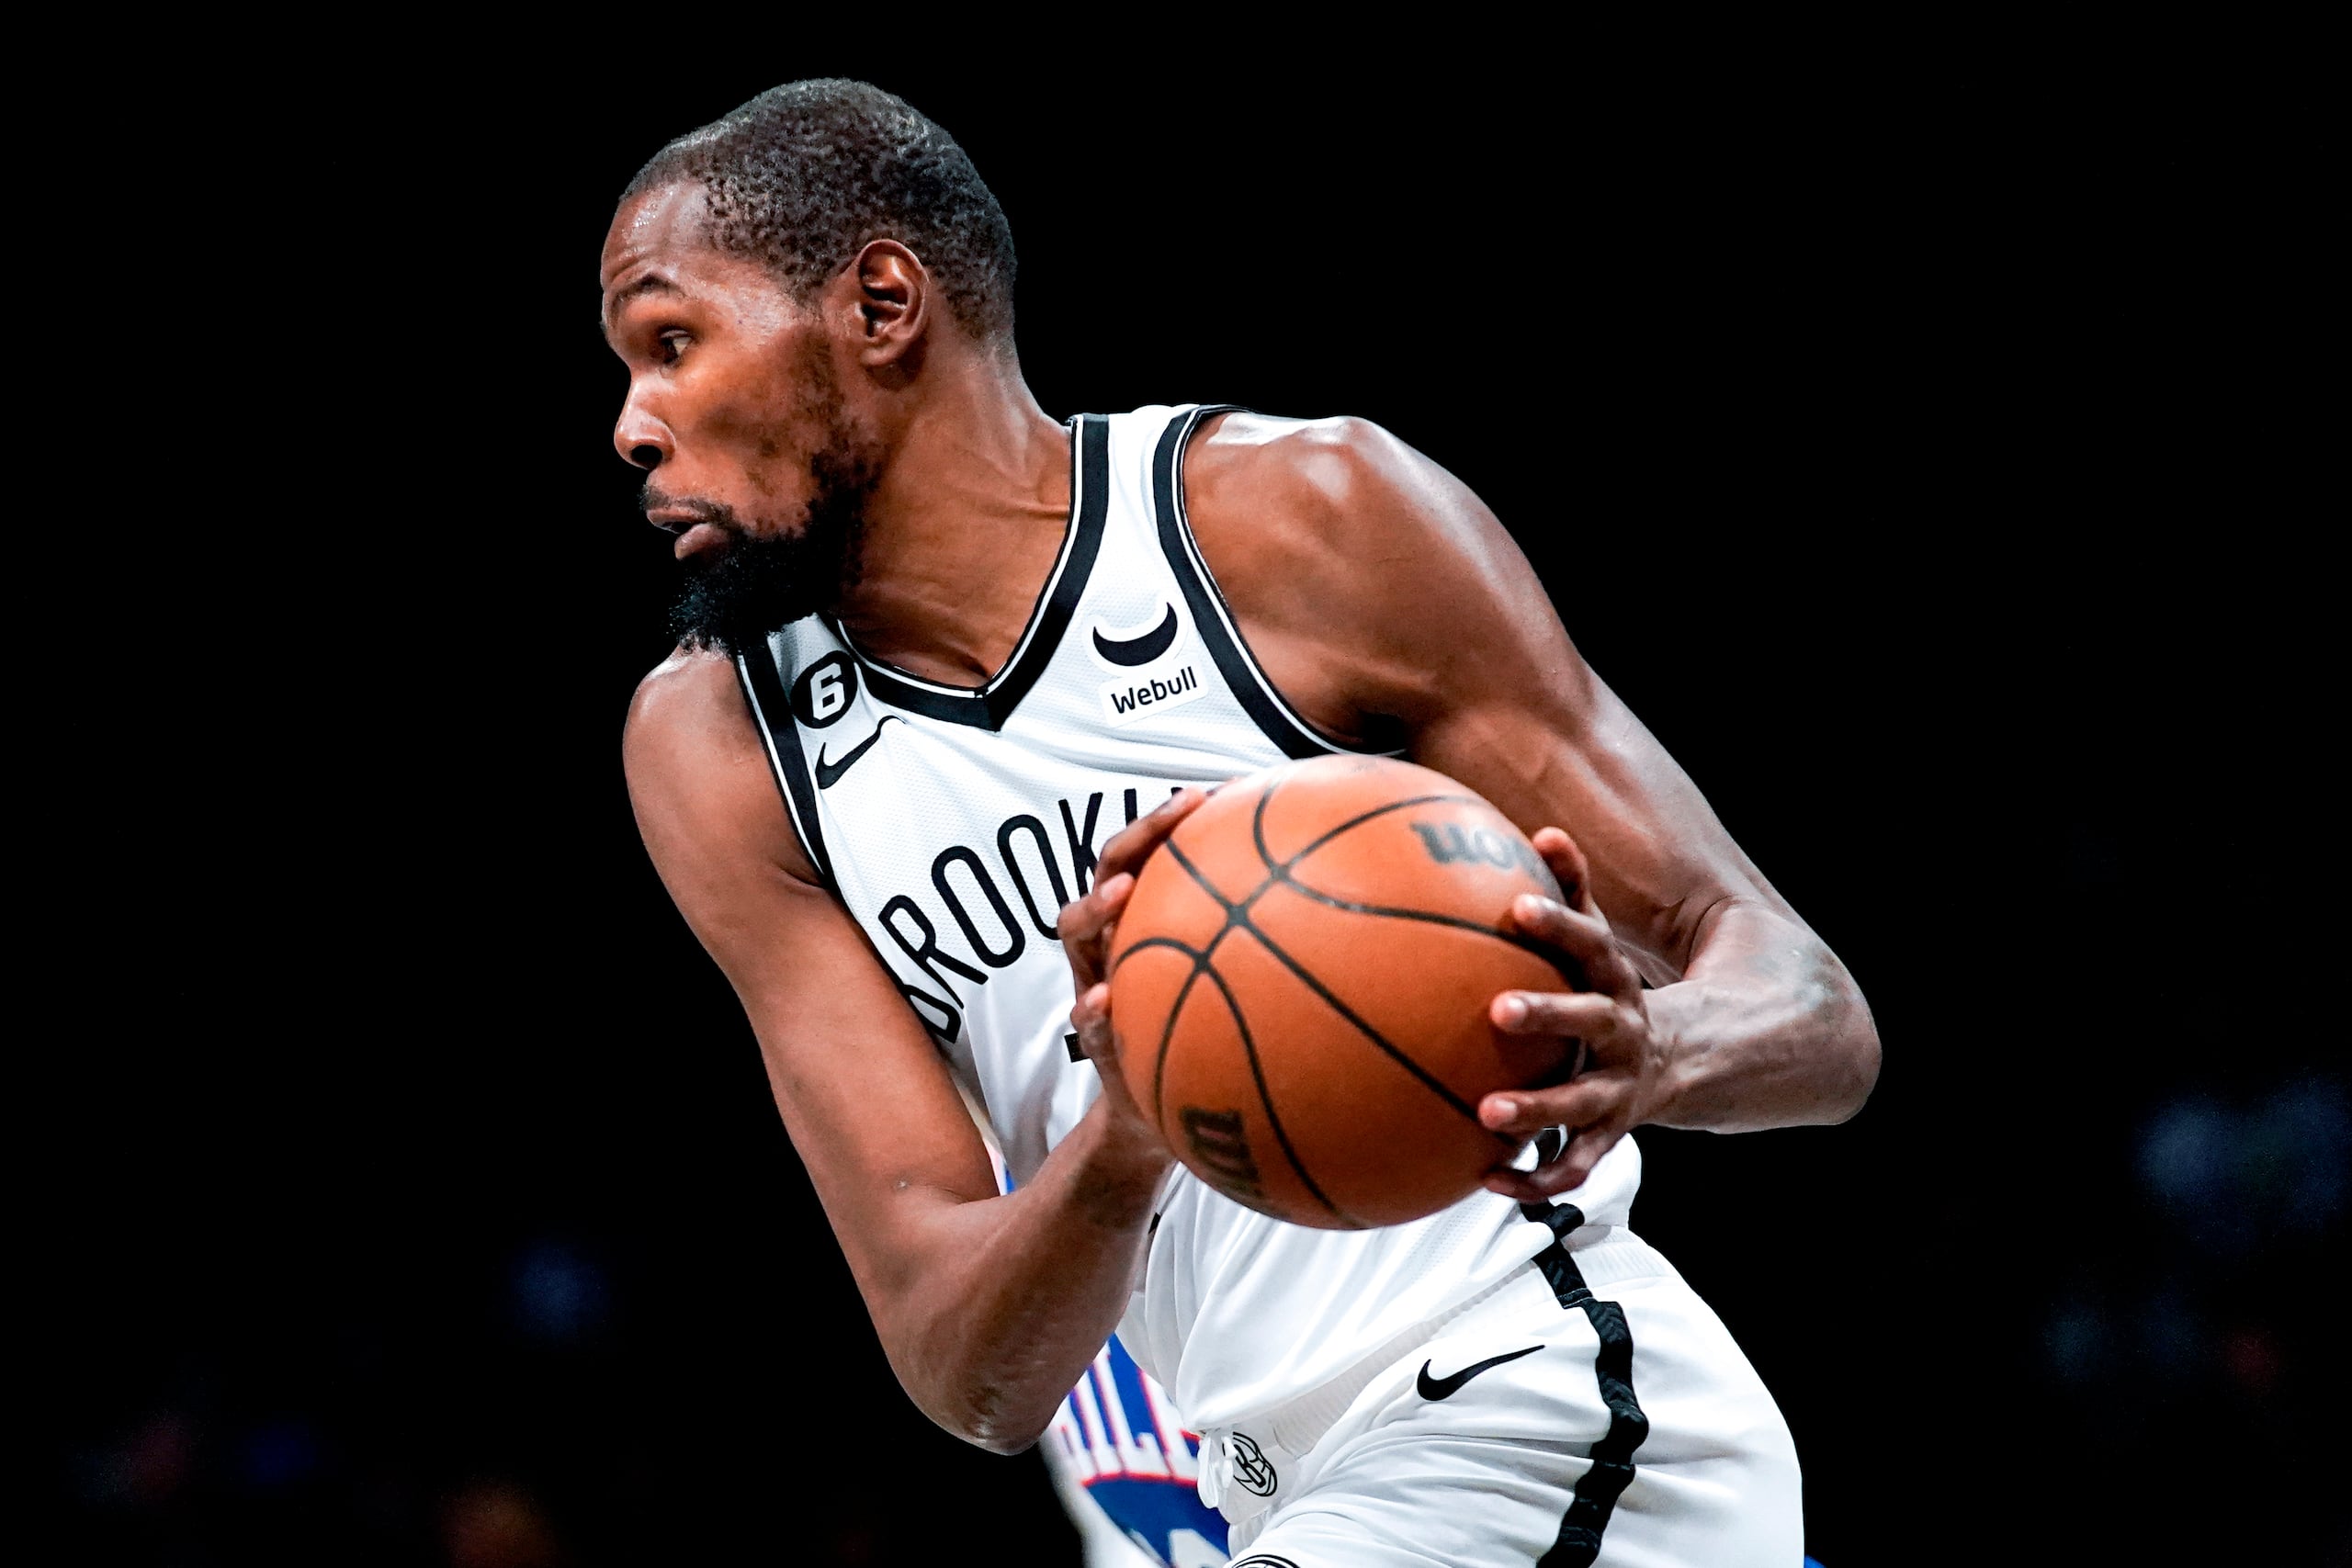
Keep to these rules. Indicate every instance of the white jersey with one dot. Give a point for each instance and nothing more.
(952, 823)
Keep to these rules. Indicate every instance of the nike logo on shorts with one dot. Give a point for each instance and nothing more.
(830, 773)
(1446, 1388)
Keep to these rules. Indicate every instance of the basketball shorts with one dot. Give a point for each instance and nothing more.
(1590, 1410)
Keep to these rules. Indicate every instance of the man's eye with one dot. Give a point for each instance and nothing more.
(669, 345)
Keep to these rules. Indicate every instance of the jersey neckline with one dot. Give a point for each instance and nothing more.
(988, 704)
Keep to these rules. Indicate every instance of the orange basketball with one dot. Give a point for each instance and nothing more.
(1300, 982)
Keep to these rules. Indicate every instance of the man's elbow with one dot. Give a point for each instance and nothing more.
(985, 1417)
(992, 1432)
(1004, 1442)
(1857, 1053)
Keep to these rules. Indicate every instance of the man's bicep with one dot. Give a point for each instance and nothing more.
(864, 1093)
(1658, 856)
(1510, 708)
(1382, 595)
(867, 1099)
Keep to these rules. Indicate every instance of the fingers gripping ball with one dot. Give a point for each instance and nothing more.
(1300, 982)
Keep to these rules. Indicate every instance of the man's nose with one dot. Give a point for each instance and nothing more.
(641, 439)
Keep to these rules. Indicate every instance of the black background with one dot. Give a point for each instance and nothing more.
(1915, 453)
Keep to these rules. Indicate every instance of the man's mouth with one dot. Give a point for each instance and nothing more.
(694, 538)
(696, 525)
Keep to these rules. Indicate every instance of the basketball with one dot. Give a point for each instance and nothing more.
(1299, 988)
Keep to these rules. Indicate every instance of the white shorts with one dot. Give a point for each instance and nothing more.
(1609, 1419)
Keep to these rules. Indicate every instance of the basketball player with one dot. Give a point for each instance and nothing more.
(949, 669)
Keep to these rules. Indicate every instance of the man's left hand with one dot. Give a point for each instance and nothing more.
(1624, 1078)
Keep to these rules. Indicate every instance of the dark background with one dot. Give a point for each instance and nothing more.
(1915, 455)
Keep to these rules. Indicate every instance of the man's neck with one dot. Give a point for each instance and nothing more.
(964, 528)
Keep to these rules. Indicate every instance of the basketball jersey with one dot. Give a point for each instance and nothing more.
(952, 823)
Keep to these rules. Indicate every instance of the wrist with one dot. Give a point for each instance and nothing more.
(1677, 1062)
(1121, 1165)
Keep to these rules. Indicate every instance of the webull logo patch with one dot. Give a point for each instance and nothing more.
(1140, 695)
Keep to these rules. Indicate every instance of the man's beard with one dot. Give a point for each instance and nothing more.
(763, 581)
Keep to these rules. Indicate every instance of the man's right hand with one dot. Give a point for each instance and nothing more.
(1088, 926)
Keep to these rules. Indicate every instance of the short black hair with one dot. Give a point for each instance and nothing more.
(801, 178)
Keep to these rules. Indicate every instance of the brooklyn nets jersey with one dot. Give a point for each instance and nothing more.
(952, 823)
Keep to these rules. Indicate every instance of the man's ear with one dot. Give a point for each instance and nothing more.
(893, 303)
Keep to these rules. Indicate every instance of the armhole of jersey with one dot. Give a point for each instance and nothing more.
(780, 738)
(1281, 723)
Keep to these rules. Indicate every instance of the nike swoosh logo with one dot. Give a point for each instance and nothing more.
(830, 773)
(1446, 1388)
(1142, 650)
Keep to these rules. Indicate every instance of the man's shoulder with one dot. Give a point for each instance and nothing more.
(1310, 511)
(1343, 553)
(1317, 517)
(688, 723)
(692, 692)
(1307, 476)
(696, 767)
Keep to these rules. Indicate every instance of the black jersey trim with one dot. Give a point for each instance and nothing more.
(763, 689)
(1612, 1470)
(1274, 716)
(987, 707)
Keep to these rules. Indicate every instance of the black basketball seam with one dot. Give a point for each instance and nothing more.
(1168, 1027)
(1280, 872)
(1257, 824)
(1237, 915)
(1240, 1024)
(1257, 1073)
(1435, 1084)
(1200, 876)
(1524, 943)
(1199, 957)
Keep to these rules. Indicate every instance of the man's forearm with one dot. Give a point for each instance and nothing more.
(1021, 1292)
(1765, 1029)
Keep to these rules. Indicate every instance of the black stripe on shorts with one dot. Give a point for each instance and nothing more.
(1612, 1470)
